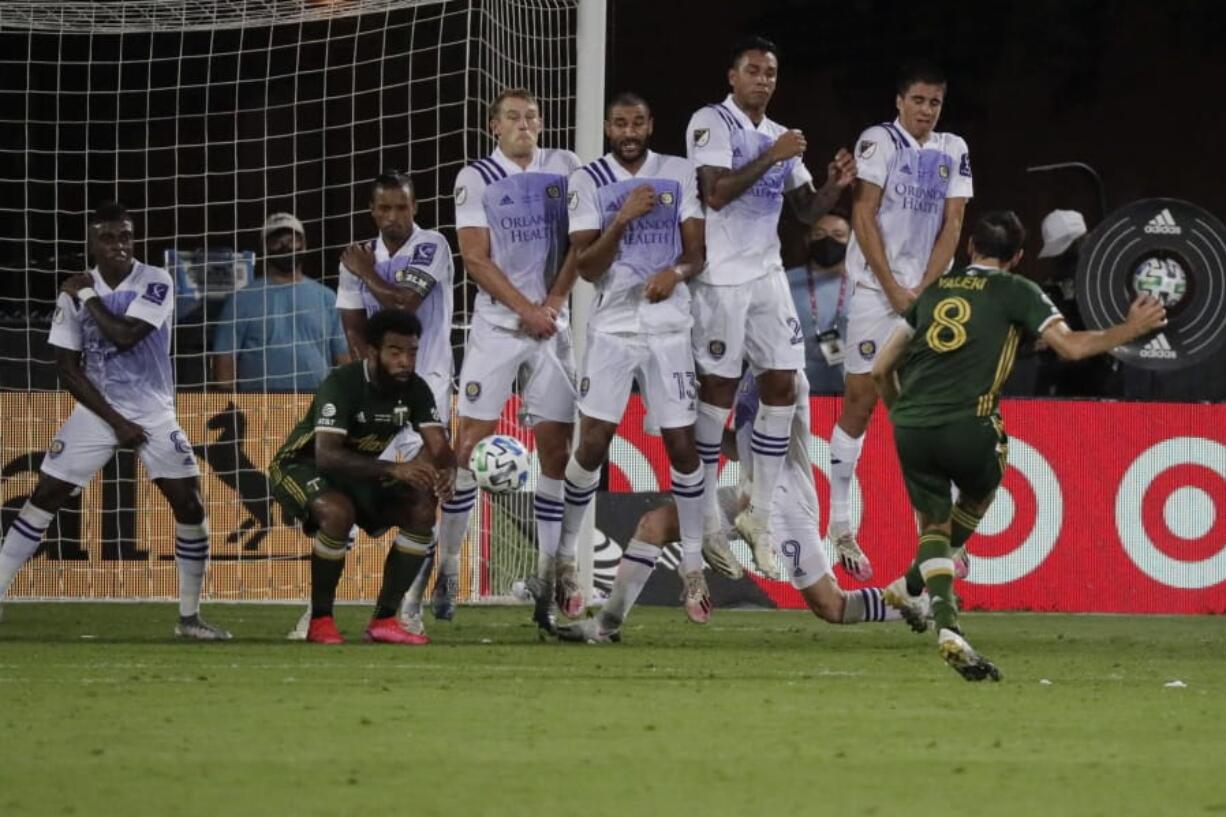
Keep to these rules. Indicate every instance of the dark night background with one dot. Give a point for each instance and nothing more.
(1131, 88)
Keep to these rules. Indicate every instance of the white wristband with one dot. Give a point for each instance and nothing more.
(85, 293)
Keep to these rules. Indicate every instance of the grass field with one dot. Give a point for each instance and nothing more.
(758, 713)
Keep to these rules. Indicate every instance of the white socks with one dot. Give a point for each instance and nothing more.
(844, 454)
(548, 506)
(191, 557)
(709, 433)
(688, 494)
(638, 560)
(21, 542)
(581, 486)
(772, 427)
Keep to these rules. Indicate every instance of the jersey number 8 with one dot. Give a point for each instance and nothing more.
(948, 329)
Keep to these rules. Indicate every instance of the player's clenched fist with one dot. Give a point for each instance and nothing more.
(789, 145)
(359, 259)
(638, 202)
(841, 172)
(76, 283)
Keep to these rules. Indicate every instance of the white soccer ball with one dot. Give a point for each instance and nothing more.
(1163, 278)
(500, 464)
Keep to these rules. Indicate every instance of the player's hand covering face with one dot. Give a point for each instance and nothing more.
(517, 127)
(111, 244)
(393, 210)
(920, 108)
(395, 360)
(753, 79)
(628, 129)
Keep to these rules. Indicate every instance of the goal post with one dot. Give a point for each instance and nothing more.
(204, 117)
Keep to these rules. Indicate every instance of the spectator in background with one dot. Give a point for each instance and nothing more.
(281, 332)
(818, 290)
(1063, 233)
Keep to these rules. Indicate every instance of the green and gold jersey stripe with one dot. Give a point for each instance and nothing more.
(1008, 353)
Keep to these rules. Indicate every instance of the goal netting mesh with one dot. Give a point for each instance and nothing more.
(203, 117)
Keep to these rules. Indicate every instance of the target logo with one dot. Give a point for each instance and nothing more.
(1024, 520)
(1169, 512)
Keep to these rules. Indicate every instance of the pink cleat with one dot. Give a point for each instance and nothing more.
(389, 631)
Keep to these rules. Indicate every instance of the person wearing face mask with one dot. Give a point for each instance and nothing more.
(281, 332)
(818, 290)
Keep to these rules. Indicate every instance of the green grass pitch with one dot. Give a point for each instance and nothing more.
(759, 713)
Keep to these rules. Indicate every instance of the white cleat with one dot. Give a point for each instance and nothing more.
(199, 629)
(961, 656)
(588, 631)
(696, 597)
(853, 560)
(719, 555)
(410, 619)
(299, 633)
(756, 532)
(914, 609)
(962, 563)
(569, 593)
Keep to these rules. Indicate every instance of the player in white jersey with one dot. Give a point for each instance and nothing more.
(794, 519)
(511, 223)
(909, 199)
(406, 267)
(116, 319)
(743, 310)
(637, 229)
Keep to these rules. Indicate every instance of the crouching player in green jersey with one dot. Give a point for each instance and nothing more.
(328, 474)
(940, 374)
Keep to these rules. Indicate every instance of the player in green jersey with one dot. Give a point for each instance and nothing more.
(940, 375)
(328, 475)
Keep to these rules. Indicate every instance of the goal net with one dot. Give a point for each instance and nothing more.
(203, 117)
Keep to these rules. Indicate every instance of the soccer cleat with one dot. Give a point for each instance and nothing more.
(914, 609)
(588, 631)
(569, 593)
(719, 555)
(442, 603)
(962, 657)
(756, 532)
(853, 560)
(388, 631)
(962, 563)
(696, 597)
(195, 627)
(323, 630)
(299, 633)
(541, 591)
(410, 619)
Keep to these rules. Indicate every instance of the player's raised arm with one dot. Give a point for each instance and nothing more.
(595, 250)
(810, 203)
(720, 186)
(1144, 316)
(121, 330)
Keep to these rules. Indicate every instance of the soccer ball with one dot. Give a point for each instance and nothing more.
(500, 464)
(1163, 278)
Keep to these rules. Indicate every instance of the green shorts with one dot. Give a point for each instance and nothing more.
(967, 453)
(295, 483)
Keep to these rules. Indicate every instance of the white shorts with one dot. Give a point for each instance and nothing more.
(440, 387)
(663, 365)
(804, 555)
(754, 322)
(85, 442)
(870, 322)
(492, 362)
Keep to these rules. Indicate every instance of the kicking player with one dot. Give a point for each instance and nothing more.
(940, 375)
(406, 267)
(743, 310)
(512, 228)
(794, 518)
(908, 202)
(637, 229)
(116, 320)
(328, 474)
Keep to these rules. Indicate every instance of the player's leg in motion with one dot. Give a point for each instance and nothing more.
(846, 442)
(26, 532)
(581, 480)
(453, 522)
(715, 397)
(191, 555)
(688, 489)
(771, 428)
(553, 451)
(411, 549)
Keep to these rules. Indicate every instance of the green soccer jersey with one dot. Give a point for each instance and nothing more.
(967, 325)
(350, 402)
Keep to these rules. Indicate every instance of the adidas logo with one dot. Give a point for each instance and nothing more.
(507, 200)
(1163, 224)
(736, 153)
(1159, 347)
(906, 169)
(612, 207)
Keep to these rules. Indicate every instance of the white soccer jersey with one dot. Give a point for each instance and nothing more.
(915, 181)
(743, 237)
(651, 242)
(525, 212)
(423, 264)
(139, 382)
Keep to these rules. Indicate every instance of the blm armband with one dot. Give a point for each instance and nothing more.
(415, 280)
